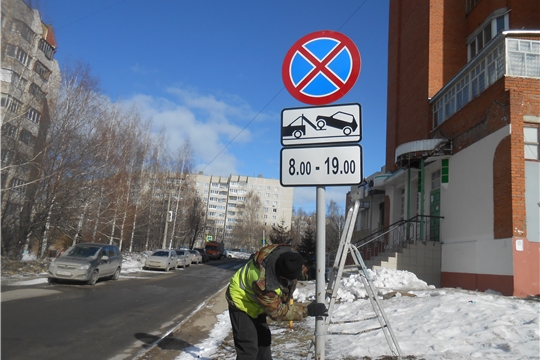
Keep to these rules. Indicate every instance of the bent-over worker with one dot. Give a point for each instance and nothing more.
(263, 288)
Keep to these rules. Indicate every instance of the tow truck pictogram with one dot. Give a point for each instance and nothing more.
(340, 120)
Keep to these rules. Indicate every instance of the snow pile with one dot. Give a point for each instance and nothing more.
(429, 323)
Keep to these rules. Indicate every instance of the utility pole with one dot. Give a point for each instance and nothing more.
(167, 220)
(320, 259)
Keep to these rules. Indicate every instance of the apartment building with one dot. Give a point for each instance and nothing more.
(225, 199)
(30, 78)
(461, 182)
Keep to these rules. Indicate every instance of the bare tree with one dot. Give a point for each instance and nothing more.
(335, 223)
(248, 230)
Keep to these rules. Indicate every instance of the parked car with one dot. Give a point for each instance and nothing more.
(183, 258)
(87, 262)
(196, 257)
(204, 254)
(161, 259)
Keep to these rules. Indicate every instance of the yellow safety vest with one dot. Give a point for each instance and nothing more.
(241, 290)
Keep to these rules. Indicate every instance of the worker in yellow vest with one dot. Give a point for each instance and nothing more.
(263, 287)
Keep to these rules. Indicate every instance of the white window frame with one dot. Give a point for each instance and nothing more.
(486, 32)
(531, 135)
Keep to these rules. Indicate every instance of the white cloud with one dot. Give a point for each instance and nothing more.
(209, 123)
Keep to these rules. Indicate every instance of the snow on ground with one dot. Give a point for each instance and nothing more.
(429, 323)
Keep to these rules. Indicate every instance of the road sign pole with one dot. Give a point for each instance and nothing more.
(320, 335)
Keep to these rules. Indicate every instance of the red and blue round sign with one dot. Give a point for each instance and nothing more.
(321, 67)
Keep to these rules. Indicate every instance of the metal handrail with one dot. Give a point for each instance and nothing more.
(393, 237)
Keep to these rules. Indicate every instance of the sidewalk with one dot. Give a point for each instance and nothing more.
(192, 331)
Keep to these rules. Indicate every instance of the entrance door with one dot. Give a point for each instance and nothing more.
(435, 210)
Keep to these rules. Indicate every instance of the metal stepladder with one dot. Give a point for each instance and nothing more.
(334, 282)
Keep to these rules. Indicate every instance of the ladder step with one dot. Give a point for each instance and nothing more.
(356, 333)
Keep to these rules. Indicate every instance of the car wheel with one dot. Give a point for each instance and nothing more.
(167, 268)
(116, 274)
(52, 281)
(93, 278)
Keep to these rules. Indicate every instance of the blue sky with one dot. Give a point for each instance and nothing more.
(210, 71)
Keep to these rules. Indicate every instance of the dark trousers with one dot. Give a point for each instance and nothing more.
(252, 337)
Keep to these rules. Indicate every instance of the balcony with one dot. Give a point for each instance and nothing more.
(505, 55)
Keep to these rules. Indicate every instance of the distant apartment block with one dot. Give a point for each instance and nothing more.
(225, 197)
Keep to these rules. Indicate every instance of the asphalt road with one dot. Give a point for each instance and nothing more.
(111, 320)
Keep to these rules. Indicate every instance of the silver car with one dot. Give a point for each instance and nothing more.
(183, 258)
(87, 262)
(161, 259)
(196, 257)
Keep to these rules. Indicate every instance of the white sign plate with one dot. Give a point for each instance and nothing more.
(321, 166)
(321, 125)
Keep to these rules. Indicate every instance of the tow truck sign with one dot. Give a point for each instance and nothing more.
(321, 125)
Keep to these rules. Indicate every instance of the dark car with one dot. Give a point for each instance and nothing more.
(204, 254)
(87, 262)
(340, 120)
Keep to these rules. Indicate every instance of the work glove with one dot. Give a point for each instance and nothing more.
(317, 309)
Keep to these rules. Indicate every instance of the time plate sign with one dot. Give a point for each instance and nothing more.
(321, 166)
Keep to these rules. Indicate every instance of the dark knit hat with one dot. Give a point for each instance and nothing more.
(289, 265)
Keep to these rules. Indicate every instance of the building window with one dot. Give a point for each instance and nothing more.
(17, 81)
(489, 69)
(36, 91)
(532, 141)
(42, 70)
(46, 48)
(496, 23)
(23, 29)
(275, 196)
(18, 185)
(523, 57)
(436, 179)
(470, 4)
(274, 210)
(17, 53)
(402, 207)
(7, 156)
(10, 103)
(9, 130)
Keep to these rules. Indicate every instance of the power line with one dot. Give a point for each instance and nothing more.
(272, 99)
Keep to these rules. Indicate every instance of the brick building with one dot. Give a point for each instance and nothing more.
(461, 183)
